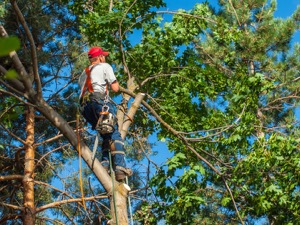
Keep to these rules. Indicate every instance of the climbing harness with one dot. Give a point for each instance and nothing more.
(107, 120)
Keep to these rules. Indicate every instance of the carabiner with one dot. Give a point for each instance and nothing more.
(105, 108)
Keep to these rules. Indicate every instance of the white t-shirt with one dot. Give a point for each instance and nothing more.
(99, 73)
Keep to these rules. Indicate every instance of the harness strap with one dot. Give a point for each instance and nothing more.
(88, 81)
(95, 147)
(88, 84)
(117, 152)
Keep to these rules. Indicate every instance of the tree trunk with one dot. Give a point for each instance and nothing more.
(28, 184)
(118, 205)
(128, 119)
(119, 190)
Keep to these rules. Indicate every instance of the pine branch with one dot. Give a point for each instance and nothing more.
(11, 177)
(32, 48)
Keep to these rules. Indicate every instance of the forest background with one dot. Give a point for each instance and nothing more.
(216, 139)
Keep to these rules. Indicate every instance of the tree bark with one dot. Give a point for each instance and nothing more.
(28, 182)
(128, 119)
(118, 205)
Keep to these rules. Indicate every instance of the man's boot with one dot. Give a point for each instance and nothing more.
(120, 166)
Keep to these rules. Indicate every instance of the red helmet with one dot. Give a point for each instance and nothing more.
(96, 51)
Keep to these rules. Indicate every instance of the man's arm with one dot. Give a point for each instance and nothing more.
(115, 86)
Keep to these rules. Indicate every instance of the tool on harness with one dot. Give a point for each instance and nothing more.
(107, 120)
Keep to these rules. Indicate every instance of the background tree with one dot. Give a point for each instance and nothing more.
(46, 27)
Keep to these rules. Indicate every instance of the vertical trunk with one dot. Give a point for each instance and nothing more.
(118, 205)
(120, 197)
(28, 184)
(132, 111)
(121, 114)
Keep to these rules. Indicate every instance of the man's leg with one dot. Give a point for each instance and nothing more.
(105, 154)
(118, 157)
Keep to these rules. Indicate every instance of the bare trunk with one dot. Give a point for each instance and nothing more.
(28, 184)
(128, 120)
(121, 113)
(118, 205)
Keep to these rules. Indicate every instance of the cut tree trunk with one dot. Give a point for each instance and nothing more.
(118, 205)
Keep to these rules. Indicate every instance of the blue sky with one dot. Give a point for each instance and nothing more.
(285, 8)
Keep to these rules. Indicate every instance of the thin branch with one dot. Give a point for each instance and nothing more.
(9, 217)
(126, 69)
(282, 84)
(58, 203)
(52, 187)
(222, 129)
(18, 86)
(11, 177)
(24, 77)
(13, 95)
(233, 201)
(186, 15)
(237, 18)
(280, 99)
(11, 206)
(45, 155)
(12, 134)
(161, 75)
(32, 47)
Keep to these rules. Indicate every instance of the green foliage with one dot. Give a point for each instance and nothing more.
(216, 91)
(272, 168)
(8, 44)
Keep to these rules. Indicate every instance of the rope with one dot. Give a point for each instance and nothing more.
(129, 204)
(129, 201)
(80, 163)
(113, 186)
(95, 148)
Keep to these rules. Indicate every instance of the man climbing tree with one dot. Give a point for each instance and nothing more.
(98, 110)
